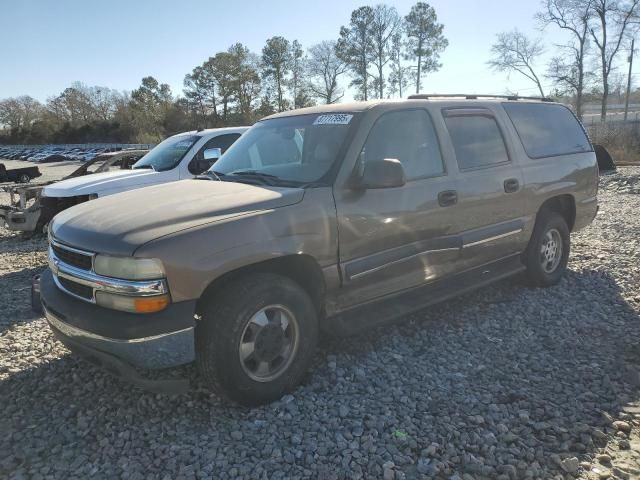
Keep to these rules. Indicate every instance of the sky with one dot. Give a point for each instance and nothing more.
(46, 45)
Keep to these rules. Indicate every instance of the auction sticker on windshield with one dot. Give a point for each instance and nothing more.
(333, 119)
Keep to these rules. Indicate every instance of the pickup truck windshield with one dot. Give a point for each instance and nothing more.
(167, 154)
(299, 149)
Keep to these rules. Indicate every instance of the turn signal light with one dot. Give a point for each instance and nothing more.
(151, 304)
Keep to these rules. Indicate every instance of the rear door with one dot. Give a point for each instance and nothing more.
(490, 185)
(396, 238)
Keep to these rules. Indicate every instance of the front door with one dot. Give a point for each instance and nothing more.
(396, 238)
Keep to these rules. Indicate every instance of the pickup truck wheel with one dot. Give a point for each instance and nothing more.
(24, 178)
(547, 255)
(256, 339)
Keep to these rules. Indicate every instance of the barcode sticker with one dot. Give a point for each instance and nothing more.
(333, 119)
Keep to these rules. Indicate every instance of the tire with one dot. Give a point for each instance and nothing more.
(24, 178)
(544, 268)
(233, 321)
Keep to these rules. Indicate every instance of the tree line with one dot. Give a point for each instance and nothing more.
(599, 32)
(380, 51)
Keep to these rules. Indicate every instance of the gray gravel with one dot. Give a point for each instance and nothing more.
(508, 382)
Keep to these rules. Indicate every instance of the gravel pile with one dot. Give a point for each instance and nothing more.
(508, 382)
(621, 183)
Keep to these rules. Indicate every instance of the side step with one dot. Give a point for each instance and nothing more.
(391, 307)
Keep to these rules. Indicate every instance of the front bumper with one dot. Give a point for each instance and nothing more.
(151, 341)
(20, 220)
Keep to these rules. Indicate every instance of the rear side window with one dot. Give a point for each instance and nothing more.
(477, 140)
(407, 136)
(547, 130)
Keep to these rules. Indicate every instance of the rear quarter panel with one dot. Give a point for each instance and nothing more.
(547, 177)
(575, 175)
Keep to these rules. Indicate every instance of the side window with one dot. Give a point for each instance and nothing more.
(477, 140)
(547, 130)
(223, 142)
(407, 136)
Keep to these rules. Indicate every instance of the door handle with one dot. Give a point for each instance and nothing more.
(511, 185)
(447, 198)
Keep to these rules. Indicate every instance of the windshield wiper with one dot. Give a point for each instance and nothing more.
(210, 175)
(264, 178)
(145, 166)
(254, 173)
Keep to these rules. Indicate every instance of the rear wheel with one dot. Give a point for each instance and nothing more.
(256, 339)
(24, 178)
(547, 255)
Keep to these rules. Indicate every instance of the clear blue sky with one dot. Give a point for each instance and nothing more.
(47, 44)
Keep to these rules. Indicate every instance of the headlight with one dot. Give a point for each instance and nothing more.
(128, 268)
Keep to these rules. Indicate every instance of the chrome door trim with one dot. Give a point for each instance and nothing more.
(491, 239)
(403, 259)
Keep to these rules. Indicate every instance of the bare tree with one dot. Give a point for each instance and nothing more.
(19, 112)
(324, 68)
(385, 24)
(572, 16)
(515, 52)
(612, 21)
(399, 75)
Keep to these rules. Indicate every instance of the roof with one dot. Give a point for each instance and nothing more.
(431, 98)
(330, 108)
(209, 131)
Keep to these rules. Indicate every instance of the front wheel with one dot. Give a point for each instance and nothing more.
(547, 255)
(256, 339)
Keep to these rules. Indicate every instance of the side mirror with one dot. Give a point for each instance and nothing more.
(212, 153)
(385, 173)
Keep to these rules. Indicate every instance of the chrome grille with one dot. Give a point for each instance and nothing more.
(77, 289)
(72, 257)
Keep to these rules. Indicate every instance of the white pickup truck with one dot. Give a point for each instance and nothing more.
(178, 157)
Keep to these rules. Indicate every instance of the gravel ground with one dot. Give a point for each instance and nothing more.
(508, 382)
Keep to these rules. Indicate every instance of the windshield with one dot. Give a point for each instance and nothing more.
(299, 149)
(167, 155)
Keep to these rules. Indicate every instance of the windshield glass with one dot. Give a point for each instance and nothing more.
(299, 149)
(167, 155)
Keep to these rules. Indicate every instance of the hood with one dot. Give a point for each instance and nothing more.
(118, 224)
(100, 182)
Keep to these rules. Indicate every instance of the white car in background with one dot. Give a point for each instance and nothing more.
(181, 156)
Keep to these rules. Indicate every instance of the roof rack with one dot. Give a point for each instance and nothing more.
(474, 96)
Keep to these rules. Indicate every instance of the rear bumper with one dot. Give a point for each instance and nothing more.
(151, 341)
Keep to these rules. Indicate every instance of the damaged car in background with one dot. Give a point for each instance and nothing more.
(24, 210)
(181, 156)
